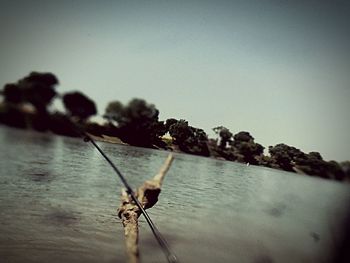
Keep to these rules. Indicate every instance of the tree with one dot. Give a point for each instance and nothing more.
(136, 123)
(61, 124)
(243, 136)
(170, 122)
(13, 117)
(245, 149)
(189, 139)
(38, 89)
(315, 155)
(78, 105)
(12, 94)
(335, 171)
(346, 169)
(180, 131)
(314, 165)
(286, 156)
(225, 136)
(113, 111)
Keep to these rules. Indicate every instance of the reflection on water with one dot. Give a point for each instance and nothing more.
(58, 202)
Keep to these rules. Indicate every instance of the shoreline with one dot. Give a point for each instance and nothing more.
(175, 149)
(180, 137)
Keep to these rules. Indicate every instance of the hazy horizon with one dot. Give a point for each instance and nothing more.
(279, 70)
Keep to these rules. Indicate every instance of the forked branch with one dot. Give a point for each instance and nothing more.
(129, 213)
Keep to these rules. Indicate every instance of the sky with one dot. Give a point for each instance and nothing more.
(278, 69)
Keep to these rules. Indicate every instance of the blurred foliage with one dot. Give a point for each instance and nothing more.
(12, 94)
(78, 105)
(292, 159)
(285, 156)
(12, 116)
(225, 136)
(136, 123)
(239, 147)
(61, 124)
(189, 139)
(36, 89)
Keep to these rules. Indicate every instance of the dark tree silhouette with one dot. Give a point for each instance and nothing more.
(12, 94)
(94, 128)
(345, 166)
(61, 124)
(170, 122)
(225, 136)
(292, 159)
(13, 117)
(243, 136)
(38, 89)
(313, 164)
(113, 111)
(136, 123)
(285, 156)
(245, 149)
(189, 139)
(78, 105)
(180, 131)
(335, 171)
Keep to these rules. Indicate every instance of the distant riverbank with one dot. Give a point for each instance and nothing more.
(26, 103)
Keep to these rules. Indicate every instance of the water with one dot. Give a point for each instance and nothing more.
(58, 203)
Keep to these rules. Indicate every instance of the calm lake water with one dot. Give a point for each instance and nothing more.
(58, 203)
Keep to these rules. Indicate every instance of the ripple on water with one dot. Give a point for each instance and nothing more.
(58, 203)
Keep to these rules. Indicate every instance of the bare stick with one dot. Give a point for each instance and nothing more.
(164, 169)
(128, 211)
(129, 214)
(148, 193)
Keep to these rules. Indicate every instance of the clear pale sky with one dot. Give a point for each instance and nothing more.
(278, 69)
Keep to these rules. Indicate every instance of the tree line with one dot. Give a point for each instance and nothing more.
(26, 105)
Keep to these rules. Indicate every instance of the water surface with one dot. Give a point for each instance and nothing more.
(58, 202)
